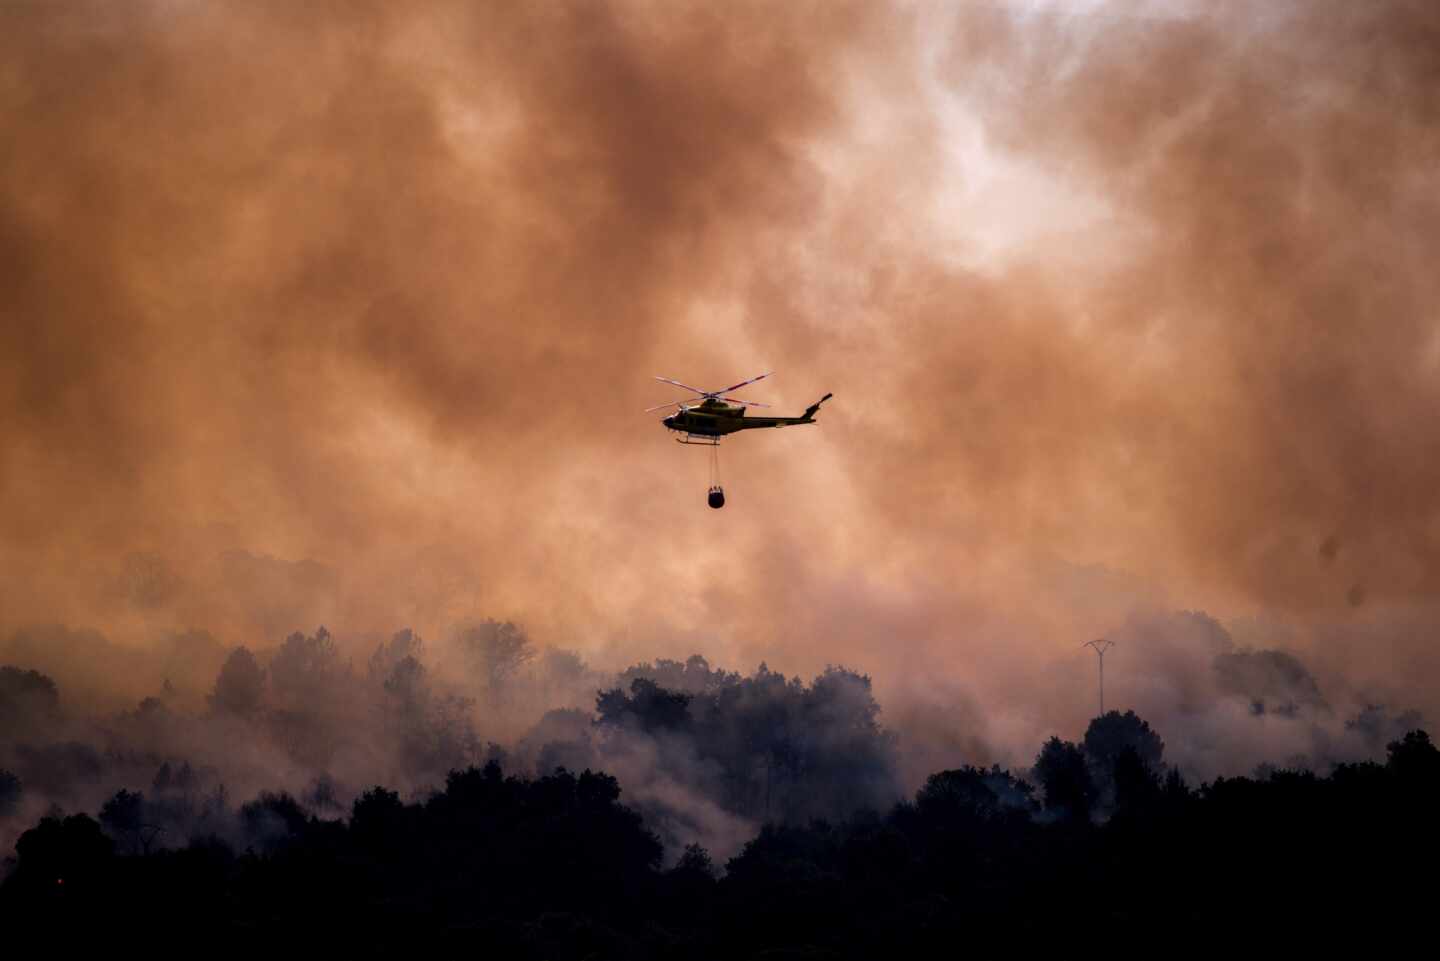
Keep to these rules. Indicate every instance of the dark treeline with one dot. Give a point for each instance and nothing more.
(360, 798)
(1107, 840)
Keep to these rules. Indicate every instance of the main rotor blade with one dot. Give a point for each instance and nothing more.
(696, 390)
(726, 390)
(662, 406)
(747, 403)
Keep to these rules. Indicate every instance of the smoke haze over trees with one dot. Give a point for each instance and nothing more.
(558, 866)
(707, 756)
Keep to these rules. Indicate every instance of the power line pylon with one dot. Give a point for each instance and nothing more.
(1101, 646)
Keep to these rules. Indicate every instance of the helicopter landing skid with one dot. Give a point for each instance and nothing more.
(699, 439)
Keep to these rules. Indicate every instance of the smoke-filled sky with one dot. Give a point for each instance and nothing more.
(1127, 307)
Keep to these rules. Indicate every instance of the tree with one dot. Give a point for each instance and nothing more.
(772, 746)
(305, 666)
(1137, 785)
(26, 695)
(565, 677)
(240, 687)
(1110, 734)
(1064, 774)
(67, 852)
(972, 792)
(1175, 791)
(694, 676)
(691, 882)
(1114, 736)
(378, 820)
(496, 651)
(272, 819)
(694, 862)
(648, 707)
(563, 667)
(127, 818)
(388, 654)
(1415, 760)
(406, 683)
(160, 783)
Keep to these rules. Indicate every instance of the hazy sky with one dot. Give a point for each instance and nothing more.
(1124, 306)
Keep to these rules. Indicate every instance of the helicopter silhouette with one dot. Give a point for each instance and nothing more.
(717, 415)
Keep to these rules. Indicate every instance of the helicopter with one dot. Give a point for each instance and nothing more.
(717, 415)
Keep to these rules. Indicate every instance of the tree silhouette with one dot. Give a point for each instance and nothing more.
(26, 696)
(1064, 775)
(128, 819)
(406, 684)
(692, 676)
(388, 654)
(381, 823)
(240, 686)
(69, 854)
(971, 792)
(496, 650)
(1415, 761)
(771, 747)
(562, 666)
(272, 820)
(305, 668)
(648, 707)
(1109, 735)
(1137, 785)
(1109, 739)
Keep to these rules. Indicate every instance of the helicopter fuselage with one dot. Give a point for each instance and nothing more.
(714, 418)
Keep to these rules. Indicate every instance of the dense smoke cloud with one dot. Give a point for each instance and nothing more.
(345, 317)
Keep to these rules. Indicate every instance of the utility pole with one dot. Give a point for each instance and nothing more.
(1101, 646)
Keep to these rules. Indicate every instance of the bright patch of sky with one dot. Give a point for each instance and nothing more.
(991, 206)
